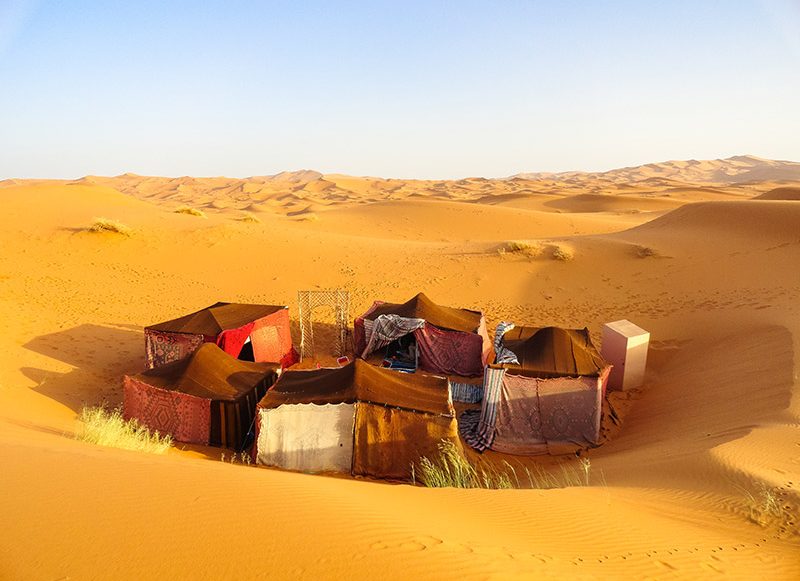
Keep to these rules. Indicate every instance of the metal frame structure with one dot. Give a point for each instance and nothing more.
(307, 301)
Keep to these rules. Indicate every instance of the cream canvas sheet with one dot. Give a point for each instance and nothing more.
(307, 437)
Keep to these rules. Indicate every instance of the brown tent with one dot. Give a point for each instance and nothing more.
(448, 341)
(207, 398)
(358, 419)
(549, 401)
(251, 332)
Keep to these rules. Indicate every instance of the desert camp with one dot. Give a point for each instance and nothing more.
(443, 291)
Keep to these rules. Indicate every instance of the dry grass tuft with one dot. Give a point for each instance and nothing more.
(109, 428)
(522, 247)
(451, 469)
(645, 252)
(190, 211)
(767, 507)
(562, 253)
(249, 218)
(112, 226)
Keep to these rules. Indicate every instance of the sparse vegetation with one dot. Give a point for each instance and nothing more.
(108, 428)
(111, 226)
(241, 458)
(247, 217)
(562, 253)
(766, 507)
(645, 252)
(522, 247)
(451, 469)
(190, 211)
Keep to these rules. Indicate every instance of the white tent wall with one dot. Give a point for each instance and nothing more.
(285, 440)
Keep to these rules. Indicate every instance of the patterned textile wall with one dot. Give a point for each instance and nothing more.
(449, 352)
(272, 339)
(162, 347)
(185, 417)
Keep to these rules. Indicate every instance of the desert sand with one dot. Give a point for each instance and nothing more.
(703, 254)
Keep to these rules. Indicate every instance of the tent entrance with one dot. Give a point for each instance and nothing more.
(246, 354)
(402, 354)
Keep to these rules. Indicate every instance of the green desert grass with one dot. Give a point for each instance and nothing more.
(106, 225)
(190, 211)
(450, 468)
(108, 428)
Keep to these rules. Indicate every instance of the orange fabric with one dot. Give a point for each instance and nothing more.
(387, 441)
(271, 337)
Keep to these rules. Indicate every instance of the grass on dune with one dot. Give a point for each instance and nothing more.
(112, 226)
(190, 211)
(108, 428)
(451, 469)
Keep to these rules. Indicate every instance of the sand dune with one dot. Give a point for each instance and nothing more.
(717, 417)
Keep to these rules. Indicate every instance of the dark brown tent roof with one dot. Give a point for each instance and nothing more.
(421, 307)
(209, 373)
(360, 381)
(553, 352)
(216, 318)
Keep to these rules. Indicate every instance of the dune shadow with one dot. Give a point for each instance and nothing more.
(100, 356)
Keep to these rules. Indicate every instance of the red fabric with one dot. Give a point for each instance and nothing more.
(162, 347)
(272, 339)
(186, 418)
(449, 352)
(232, 340)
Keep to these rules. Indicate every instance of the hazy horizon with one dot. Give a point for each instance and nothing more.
(420, 90)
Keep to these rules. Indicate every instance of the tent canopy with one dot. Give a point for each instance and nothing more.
(421, 307)
(216, 318)
(208, 373)
(553, 352)
(361, 382)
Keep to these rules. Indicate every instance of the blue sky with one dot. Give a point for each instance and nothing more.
(397, 89)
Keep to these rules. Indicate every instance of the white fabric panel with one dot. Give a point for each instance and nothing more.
(307, 437)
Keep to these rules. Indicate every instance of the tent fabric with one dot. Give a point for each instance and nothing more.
(451, 342)
(388, 328)
(232, 340)
(163, 347)
(229, 325)
(168, 398)
(552, 400)
(502, 353)
(388, 441)
(553, 352)
(360, 381)
(186, 418)
(391, 419)
(421, 307)
(307, 437)
(216, 318)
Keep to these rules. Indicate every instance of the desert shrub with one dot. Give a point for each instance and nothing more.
(249, 218)
(450, 468)
(522, 247)
(108, 428)
(562, 253)
(645, 252)
(190, 211)
(112, 226)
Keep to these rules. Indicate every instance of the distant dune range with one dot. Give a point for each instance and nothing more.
(703, 254)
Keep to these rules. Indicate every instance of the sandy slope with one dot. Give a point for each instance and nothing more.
(719, 413)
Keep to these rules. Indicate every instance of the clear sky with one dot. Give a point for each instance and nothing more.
(427, 89)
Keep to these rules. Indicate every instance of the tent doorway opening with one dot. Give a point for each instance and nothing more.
(246, 354)
(402, 354)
